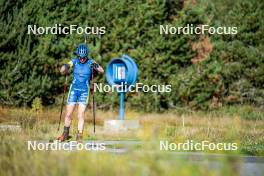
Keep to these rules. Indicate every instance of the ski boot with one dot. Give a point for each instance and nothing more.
(65, 135)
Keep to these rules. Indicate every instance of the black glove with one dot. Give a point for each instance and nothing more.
(94, 65)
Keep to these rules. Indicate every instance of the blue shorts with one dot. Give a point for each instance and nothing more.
(78, 95)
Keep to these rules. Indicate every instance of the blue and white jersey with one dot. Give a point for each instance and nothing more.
(82, 73)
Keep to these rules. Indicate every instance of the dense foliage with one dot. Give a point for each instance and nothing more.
(205, 71)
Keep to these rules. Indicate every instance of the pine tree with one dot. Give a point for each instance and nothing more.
(205, 71)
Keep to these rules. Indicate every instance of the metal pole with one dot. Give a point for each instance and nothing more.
(122, 106)
(93, 103)
(62, 102)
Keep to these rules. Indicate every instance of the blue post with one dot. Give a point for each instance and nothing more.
(122, 106)
(119, 71)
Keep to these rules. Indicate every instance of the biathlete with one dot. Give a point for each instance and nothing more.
(79, 90)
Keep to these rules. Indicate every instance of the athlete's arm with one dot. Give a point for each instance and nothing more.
(64, 69)
(98, 68)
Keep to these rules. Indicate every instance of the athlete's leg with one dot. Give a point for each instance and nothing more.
(82, 101)
(81, 111)
(66, 130)
(69, 111)
(72, 99)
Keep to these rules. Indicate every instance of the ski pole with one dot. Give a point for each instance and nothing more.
(93, 108)
(62, 102)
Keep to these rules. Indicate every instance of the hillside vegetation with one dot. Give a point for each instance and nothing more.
(205, 71)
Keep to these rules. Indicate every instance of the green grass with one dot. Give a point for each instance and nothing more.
(16, 160)
(146, 159)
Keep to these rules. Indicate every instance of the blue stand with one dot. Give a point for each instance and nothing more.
(122, 106)
(120, 71)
